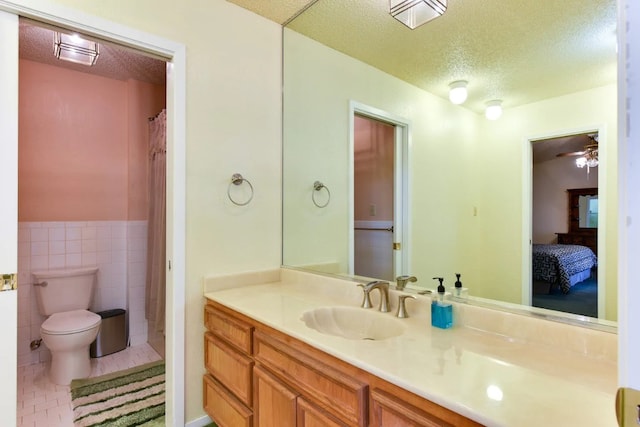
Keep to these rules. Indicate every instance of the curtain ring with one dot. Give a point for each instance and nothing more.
(317, 186)
(237, 179)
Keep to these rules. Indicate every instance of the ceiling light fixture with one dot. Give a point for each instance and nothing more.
(493, 110)
(458, 92)
(414, 13)
(589, 158)
(73, 48)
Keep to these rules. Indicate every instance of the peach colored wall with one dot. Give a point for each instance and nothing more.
(373, 178)
(145, 100)
(74, 156)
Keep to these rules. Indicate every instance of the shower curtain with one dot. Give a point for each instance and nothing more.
(156, 234)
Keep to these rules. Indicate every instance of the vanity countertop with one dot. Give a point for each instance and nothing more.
(492, 378)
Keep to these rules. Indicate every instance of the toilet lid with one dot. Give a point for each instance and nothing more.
(69, 322)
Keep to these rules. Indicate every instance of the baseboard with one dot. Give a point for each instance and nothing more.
(199, 422)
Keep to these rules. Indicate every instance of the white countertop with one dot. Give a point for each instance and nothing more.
(494, 379)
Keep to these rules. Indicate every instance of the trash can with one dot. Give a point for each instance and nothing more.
(112, 336)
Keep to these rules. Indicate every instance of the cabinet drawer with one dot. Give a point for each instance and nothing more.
(390, 410)
(228, 366)
(343, 396)
(223, 407)
(235, 331)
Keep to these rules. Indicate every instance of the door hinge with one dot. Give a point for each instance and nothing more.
(396, 246)
(169, 265)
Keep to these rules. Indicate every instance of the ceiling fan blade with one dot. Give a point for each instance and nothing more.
(575, 153)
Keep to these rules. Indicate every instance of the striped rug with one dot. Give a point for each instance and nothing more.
(134, 397)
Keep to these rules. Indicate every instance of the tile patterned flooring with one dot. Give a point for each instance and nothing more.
(44, 404)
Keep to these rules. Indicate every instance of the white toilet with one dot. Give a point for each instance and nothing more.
(65, 296)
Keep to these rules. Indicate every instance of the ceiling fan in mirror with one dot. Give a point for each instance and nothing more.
(587, 157)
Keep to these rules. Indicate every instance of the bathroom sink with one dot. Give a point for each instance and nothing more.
(353, 323)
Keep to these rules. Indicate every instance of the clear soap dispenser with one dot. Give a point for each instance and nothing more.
(458, 290)
(441, 310)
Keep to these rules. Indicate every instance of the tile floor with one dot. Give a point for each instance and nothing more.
(44, 404)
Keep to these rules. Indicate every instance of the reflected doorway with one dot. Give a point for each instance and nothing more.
(379, 242)
(373, 182)
(564, 224)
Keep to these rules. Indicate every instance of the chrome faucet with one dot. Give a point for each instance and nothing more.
(401, 281)
(384, 294)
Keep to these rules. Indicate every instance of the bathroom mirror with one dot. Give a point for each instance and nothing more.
(467, 180)
(588, 209)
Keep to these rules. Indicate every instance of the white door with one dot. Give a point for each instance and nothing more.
(629, 215)
(8, 214)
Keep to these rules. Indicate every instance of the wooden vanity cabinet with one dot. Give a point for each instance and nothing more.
(260, 377)
(227, 385)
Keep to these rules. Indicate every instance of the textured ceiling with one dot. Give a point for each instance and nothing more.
(115, 62)
(279, 11)
(519, 51)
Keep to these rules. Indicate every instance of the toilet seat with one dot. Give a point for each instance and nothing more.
(70, 322)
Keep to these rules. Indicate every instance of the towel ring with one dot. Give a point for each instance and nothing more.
(237, 179)
(317, 186)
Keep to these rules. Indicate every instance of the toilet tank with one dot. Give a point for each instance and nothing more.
(64, 290)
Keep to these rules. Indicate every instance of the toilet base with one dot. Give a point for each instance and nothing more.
(69, 365)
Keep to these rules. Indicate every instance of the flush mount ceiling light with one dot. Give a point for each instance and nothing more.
(458, 92)
(493, 110)
(414, 13)
(73, 48)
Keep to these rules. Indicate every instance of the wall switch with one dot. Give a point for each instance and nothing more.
(372, 210)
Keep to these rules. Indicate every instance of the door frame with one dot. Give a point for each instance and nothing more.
(175, 55)
(527, 200)
(402, 184)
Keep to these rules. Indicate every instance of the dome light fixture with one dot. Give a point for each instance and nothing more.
(493, 110)
(458, 92)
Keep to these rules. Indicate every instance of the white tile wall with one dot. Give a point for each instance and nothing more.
(136, 278)
(119, 250)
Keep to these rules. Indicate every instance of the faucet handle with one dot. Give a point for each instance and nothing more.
(401, 281)
(366, 300)
(402, 310)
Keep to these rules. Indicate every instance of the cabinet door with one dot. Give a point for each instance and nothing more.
(310, 416)
(274, 403)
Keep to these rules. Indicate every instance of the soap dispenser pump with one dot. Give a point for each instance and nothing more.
(441, 310)
(458, 290)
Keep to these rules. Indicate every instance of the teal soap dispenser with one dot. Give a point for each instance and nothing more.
(441, 310)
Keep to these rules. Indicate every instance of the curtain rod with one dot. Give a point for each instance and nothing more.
(156, 116)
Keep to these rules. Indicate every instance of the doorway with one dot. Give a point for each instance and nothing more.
(379, 188)
(564, 224)
(176, 84)
(373, 182)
